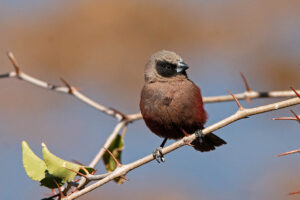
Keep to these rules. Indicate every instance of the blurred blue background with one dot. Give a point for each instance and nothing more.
(102, 47)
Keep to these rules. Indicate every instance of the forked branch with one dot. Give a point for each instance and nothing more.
(240, 114)
(124, 120)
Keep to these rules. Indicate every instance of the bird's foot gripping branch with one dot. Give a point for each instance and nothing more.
(55, 172)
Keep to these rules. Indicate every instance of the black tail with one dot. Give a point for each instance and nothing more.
(209, 142)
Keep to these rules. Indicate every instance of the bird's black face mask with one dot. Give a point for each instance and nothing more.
(167, 69)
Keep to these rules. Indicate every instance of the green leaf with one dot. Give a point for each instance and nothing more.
(36, 168)
(115, 148)
(58, 167)
(33, 165)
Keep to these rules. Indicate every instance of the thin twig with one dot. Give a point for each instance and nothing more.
(252, 95)
(23, 76)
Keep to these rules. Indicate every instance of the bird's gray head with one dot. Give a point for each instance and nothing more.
(165, 65)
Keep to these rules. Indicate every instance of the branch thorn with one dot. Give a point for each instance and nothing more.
(293, 193)
(284, 118)
(289, 152)
(76, 180)
(297, 117)
(68, 86)
(112, 155)
(77, 162)
(236, 100)
(14, 63)
(79, 173)
(124, 177)
(295, 92)
(58, 187)
(246, 85)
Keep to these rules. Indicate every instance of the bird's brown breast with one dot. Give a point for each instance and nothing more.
(169, 107)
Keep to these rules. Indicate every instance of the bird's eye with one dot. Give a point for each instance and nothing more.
(168, 67)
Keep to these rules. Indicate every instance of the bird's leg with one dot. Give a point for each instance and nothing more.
(186, 134)
(157, 153)
(199, 135)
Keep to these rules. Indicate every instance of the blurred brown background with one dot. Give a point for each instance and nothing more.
(102, 46)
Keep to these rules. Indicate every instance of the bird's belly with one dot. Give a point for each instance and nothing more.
(168, 111)
(166, 120)
(164, 128)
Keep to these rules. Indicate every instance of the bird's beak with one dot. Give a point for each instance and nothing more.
(181, 67)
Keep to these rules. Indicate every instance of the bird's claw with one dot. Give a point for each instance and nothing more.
(199, 136)
(158, 155)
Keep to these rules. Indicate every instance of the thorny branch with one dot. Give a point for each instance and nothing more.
(132, 117)
(240, 114)
(123, 119)
(68, 89)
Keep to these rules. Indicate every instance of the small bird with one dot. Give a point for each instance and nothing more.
(171, 104)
